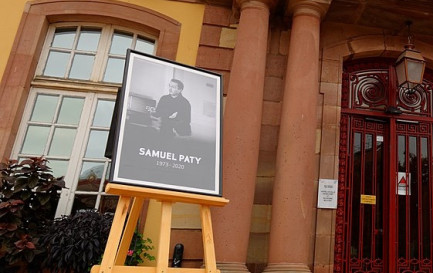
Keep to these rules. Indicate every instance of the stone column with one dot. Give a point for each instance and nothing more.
(241, 135)
(292, 225)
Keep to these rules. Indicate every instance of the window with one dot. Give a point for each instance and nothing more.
(71, 129)
(69, 124)
(116, 55)
(90, 53)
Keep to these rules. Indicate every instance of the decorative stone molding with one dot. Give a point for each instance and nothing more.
(317, 8)
(286, 268)
(232, 267)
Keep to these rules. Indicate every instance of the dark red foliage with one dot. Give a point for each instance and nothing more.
(28, 199)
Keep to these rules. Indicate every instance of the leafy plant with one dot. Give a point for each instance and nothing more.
(28, 200)
(76, 242)
(139, 250)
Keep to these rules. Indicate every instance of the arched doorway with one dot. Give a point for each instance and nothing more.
(384, 215)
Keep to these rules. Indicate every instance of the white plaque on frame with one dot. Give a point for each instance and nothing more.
(327, 194)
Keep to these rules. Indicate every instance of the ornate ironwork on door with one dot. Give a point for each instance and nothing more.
(384, 214)
(413, 203)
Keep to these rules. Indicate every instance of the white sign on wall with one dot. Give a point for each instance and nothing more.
(327, 194)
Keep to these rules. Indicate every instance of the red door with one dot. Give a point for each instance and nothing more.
(384, 215)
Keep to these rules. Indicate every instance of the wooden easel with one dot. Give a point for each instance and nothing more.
(123, 226)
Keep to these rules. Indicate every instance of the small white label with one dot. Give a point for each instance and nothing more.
(403, 183)
(379, 138)
(327, 194)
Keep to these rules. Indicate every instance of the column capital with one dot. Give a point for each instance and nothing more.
(317, 8)
(270, 4)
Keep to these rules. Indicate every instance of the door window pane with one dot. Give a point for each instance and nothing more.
(356, 194)
(108, 203)
(379, 238)
(413, 198)
(44, 109)
(368, 219)
(425, 199)
(107, 175)
(59, 167)
(89, 39)
(114, 70)
(145, 46)
(90, 176)
(63, 141)
(82, 67)
(70, 110)
(369, 165)
(64, 37)
(35, 140)
(120, 43)
(96, 144)
(83, 202)
(401, 200)
(401, 154)
(57, 64)
(103, 114)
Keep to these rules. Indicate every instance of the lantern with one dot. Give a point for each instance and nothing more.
(410, 67)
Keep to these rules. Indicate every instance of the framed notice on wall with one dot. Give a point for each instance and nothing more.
(168, 129)
(327, 194)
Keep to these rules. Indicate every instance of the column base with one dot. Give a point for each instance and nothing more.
(232, 268)
(286, 268)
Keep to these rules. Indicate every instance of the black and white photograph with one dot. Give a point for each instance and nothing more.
(168, 132)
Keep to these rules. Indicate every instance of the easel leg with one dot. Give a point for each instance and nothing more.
(164, 238)
(131, 223)
(115, 234)
(208, 242)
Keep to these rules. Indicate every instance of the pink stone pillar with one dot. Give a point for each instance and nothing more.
(292, 225)
(241, 135)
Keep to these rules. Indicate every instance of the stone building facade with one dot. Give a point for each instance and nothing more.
(308, 85)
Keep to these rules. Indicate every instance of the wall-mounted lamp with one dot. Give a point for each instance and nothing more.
(410, 65)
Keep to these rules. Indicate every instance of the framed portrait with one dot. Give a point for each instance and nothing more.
(168, 127)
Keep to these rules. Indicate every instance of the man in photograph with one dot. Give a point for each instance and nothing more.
(174, 112)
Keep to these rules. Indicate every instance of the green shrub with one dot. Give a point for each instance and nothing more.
(138, 250)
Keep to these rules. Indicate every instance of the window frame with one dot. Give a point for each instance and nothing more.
(31, 35)
(77, 156)
(102, 54)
